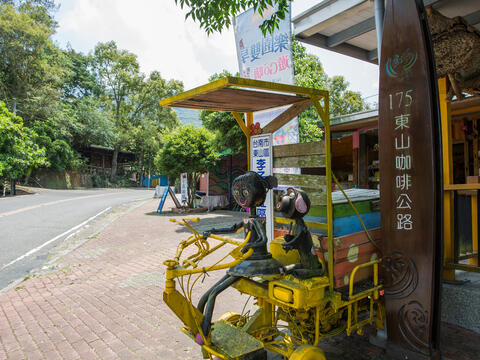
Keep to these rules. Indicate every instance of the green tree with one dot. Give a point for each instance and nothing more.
(309, 72)
(32, 74)
(80, 81)
(131, 98)
(32, 68)
(216, 15)
(148, 119)
(55, 138)
(228, 134)
(116, 71)
(187, 149)
(18, 150)
(84, 114)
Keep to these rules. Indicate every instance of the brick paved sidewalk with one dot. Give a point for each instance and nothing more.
(104, 299)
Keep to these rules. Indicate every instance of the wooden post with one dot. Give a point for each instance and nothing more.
(324, 115)
(474, 199)
(475, 147)
(474, 261)
(466, 158)
(446, 119)
(363, 163)
(249, 126)
(355, 159)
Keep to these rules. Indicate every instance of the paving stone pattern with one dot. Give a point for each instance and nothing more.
(104, 299)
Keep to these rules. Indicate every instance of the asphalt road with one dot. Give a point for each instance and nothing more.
(31, 225)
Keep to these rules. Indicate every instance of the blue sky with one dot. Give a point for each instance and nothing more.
(156, 31)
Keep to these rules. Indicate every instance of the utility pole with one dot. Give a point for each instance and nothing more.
(149, 176)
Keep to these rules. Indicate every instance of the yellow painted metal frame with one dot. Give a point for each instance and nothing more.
(445, 116)
(319, 99)
(449, 265)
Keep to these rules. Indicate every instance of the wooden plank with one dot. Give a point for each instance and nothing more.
(350, 251)
(313, 148)
(286, 116)
(259, 84)
(349, 224)
(475, 146)
(465, 104)
(466, 158)
(342, 210)
(303, 181)
(355, 154)
(463, 267)
(302, 161)
(452, 187)
(221, 96)
(228, 99)
(318, 198)
(314, 225)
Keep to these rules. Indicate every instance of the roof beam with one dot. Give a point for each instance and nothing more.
(372, 55)
(345, 49)
(306, 23)
(286, 116)
(351, 32)
(430, 2)
(473, 18)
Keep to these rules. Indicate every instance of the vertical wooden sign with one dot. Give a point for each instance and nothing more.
(410, 183)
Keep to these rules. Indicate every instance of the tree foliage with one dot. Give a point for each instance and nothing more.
(130, 98)
(73, 100)
(18, 150)
(228, 134)
(216, 15)
(32, 68)
(309, 72)
(187, 149)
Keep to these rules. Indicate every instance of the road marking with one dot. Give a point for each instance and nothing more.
(55, 238)
(13, 212)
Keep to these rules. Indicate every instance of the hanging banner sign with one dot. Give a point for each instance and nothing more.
(410, 183)
(267, 58)
(261, 162)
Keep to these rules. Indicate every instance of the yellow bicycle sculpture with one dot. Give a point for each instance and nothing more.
(307, 308)
(293, 312)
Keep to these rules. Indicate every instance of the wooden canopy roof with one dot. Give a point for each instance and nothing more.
(242, 95)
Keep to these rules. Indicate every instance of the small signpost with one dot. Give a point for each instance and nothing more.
(168, 190)
(184, 187)
(164, 197)
(261, 163)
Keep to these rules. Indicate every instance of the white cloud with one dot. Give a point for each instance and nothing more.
(156, 31)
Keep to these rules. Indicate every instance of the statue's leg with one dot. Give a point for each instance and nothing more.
(217, 289)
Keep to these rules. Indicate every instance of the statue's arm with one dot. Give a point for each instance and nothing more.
(224, 230)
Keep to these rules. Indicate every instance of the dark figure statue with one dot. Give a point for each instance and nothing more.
(295, 204)
(249, 191)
